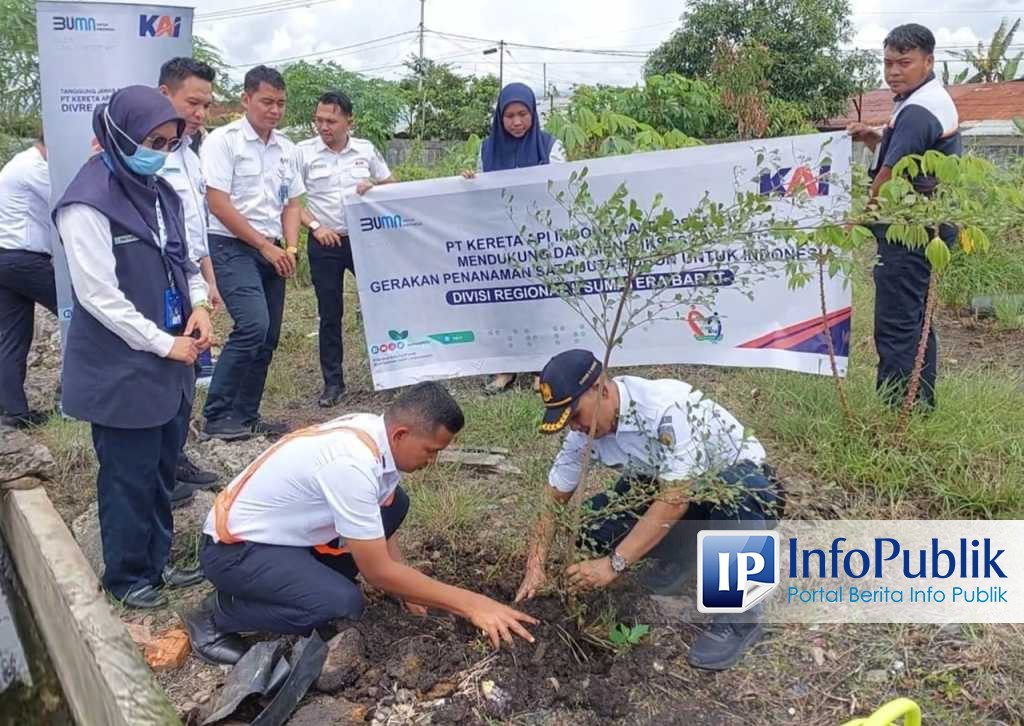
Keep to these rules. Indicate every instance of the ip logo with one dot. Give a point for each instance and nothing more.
(736, 569)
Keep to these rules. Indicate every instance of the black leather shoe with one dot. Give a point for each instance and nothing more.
(182, 495)
(182, 577)
(188, 473)
(269, 428)
(225, 431)
(209, 644)
(27, 420)
(144, 597)
(331, 396)
(722, 644)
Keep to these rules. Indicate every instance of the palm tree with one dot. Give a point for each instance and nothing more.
(992, 65)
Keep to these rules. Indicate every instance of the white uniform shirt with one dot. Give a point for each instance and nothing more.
(555, 156)
(330, 175)
(25, 203)
(260, 178)
(314, 489)
(85, 233)
(183, 171)
(667, 430)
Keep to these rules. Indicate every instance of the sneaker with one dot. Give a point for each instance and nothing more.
(722, 644)
(226, 430)
(27, 420)
(188, 473)
(182, 577)
(269, 428)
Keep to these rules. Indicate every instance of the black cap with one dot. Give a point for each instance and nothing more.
(564, 379)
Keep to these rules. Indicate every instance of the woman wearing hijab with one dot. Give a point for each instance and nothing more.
(516, 142)
(140, 319)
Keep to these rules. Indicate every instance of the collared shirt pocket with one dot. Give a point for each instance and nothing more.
(247, 174)
(360, 169)
(320, 178)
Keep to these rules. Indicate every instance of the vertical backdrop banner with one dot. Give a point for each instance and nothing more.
(86, 52)
(451, 285)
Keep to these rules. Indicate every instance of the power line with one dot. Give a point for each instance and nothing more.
(513, 44)
(334, 51)
(260, 9)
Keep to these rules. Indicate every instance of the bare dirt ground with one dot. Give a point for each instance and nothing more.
(470, 529)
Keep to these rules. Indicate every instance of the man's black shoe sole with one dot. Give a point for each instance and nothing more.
(238, 436)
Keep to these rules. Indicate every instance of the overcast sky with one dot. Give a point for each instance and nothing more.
(626, 26)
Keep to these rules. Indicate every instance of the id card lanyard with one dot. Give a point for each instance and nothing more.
(174, 309)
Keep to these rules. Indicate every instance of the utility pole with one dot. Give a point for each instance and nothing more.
(422, 70)
(500, 50)
(501, 64)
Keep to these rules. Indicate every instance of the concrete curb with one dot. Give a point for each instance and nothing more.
(104, 677)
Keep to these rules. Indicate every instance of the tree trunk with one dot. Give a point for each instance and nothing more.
(844, 403)
(573, 503)
(903, 423)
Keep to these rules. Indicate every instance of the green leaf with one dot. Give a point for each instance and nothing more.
(938, 254)
(394, 335)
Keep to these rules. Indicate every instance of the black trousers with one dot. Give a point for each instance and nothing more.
(26, 278)
(288, 590)
(253, 293)
(134, 486)
(327, 267)
(901, 291)
(759, 507)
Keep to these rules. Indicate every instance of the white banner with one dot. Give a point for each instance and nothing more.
(448, 286)
(86, 52)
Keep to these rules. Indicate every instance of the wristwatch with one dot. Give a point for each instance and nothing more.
(619, 564)
(314, 226)
(202, 305)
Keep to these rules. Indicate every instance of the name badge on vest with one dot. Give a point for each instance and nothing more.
(174, 310)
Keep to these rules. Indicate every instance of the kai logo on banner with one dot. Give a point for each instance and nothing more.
(157, 26)
(789, 181)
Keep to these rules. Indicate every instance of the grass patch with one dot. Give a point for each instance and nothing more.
(70, 443)
(965, 459)
(1000, 270)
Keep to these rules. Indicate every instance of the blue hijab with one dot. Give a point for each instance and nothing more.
(109, 186)
(501, 150)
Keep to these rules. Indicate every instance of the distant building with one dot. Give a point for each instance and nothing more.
(987, 111)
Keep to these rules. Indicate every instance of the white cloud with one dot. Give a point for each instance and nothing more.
(618, 24)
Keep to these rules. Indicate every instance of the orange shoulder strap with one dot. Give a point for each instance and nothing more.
(226, 498)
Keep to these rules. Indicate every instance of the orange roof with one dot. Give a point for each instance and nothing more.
(974, 102)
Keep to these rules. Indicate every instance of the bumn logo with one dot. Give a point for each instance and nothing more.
(72, 22)
(736, 569)
(384, 221)
(156, 26)
(788, 181)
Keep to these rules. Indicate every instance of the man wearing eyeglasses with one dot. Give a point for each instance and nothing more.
(254, 184)
(188, 84)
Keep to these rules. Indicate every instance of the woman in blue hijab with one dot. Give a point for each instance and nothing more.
(516, 142)
(139, 320)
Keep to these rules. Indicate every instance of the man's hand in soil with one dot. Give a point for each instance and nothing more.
(414, 608)
(591, 574)
(498, 622)
(533, 581)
